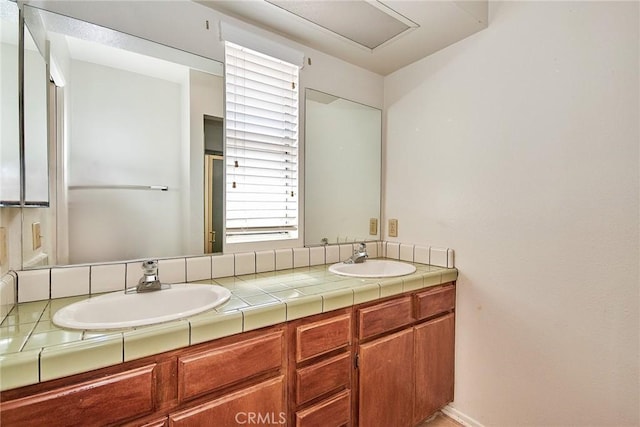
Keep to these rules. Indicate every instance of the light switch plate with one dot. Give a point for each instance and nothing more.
(373, 226)
(393, 228)
(35, 233)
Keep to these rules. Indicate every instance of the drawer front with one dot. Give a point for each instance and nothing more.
(108, 400)
(324, 377)
(211, 370)
(384, 317)
(333, 412)
(322, 337)
(435, 301)
(261, 404)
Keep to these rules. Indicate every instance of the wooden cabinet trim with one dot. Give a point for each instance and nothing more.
(435, 301)
(323, 336)
(107, 400)
(332, 412)
(265, 399)
(213, 369)
(322, 378)
(384, 317)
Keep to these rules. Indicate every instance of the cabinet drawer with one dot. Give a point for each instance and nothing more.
(321, 378)
(385, 317)
(261, 404)
(435, 301)
(107, 400)
(322, 337)
(333, 412)
(210, 370)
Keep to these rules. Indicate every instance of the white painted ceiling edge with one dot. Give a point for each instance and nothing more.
(440, 23)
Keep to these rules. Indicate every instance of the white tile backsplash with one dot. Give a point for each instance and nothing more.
(69, 281)
(346, 251)
(301, 257)
(284, 259)
(8, 294)
(393, 250)
(406, 252)
(33, 285)
(42, 284)
(317, 255)
(133, 274)
(198, 268)
(245, 263)
(107, 278)
(331, 254)
(265, 261)
(439, 257)
(421, 254)
(222, 266)
(172, 270)
(372, 249)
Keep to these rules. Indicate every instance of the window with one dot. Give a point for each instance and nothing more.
(261, 119)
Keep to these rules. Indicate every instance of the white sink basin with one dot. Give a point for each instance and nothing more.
(119, 310)
(373, 268)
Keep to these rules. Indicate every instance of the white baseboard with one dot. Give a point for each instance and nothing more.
(460, 417)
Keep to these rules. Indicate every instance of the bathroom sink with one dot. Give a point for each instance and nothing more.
(119, 310)
(373, 268)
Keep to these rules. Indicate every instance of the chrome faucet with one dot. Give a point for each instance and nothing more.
(359, 255)
(149, 280)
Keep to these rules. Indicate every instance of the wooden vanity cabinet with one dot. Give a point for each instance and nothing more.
(405, 353)
(384, 363)
(321, 367)
(219, 380)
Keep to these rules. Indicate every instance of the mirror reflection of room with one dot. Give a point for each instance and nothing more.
(342, 183)
(130, 147)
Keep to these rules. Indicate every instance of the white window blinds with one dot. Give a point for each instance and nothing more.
(261, 146)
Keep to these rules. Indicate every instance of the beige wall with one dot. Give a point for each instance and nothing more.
(518, 147)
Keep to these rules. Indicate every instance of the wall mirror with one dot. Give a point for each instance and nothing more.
(9, 129)
(129, 120)
(342, 170)
(31, 134)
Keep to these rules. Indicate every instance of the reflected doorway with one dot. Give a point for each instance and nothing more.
(214, 183)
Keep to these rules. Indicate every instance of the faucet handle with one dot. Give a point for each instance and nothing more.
(150, 267)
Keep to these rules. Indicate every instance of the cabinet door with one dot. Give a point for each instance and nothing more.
(434, 350)
(386, 381)
(261, 404)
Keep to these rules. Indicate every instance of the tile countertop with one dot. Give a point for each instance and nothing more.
(33, 349)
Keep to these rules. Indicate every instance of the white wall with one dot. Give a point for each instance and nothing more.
(518, 147)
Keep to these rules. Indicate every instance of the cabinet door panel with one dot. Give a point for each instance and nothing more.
(385, 316)
(322, 337)
(434, 346)
(261, 404)
(386, 381)
(333, 412)
(103, 401)
(435, 301)
(213, 369)
(323, 377)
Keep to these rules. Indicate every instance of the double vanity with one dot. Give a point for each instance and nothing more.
(304, 347)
